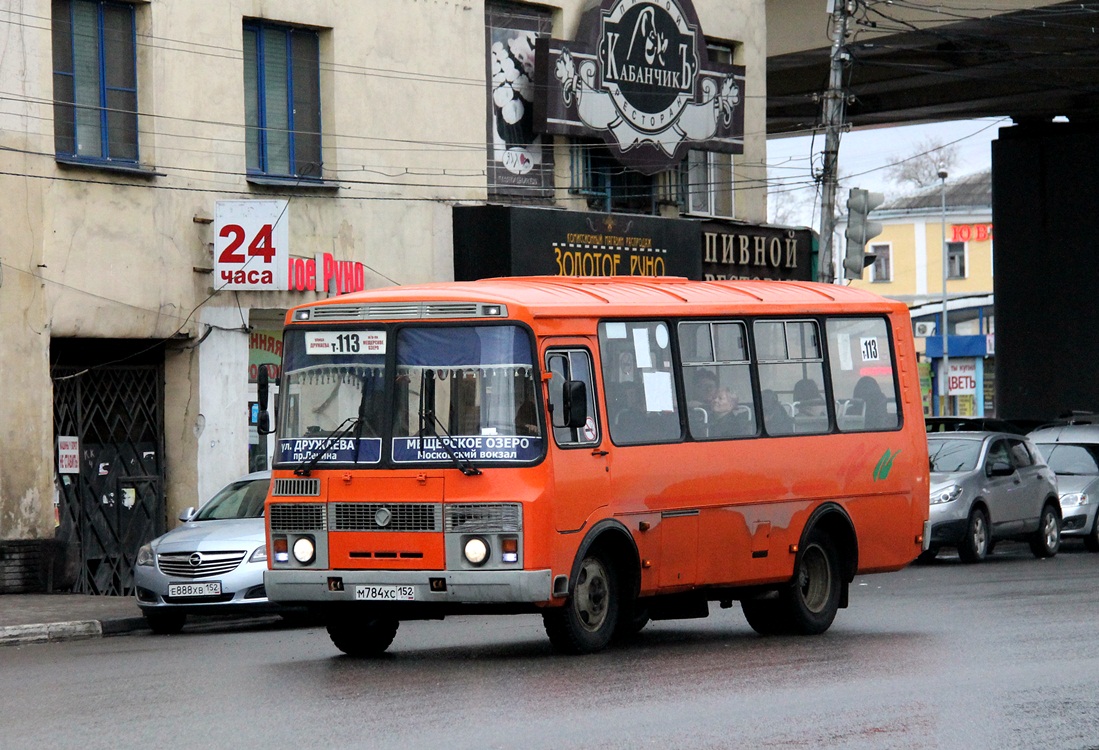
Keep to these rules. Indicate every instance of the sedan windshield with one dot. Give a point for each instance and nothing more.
(1066, 459)
(238, 500)
(954, 455)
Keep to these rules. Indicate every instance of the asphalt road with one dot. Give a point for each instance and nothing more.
(999, 655)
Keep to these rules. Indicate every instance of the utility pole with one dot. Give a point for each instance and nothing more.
(834, 101)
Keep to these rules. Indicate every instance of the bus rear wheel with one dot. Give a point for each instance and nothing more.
(813, 596)
(362, 636)
(766, 616)
(589, 618)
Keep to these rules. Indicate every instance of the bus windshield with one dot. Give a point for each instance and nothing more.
(459, 394)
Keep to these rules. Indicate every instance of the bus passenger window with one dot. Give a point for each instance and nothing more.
(641, 399)
(862, 370)
(792, 369)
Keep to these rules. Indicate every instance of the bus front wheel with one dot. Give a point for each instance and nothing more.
(362, 636)
(589, 618)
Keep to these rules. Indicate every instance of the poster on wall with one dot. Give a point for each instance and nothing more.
(520, 161)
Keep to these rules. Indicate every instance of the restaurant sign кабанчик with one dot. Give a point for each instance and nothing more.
(638, 76)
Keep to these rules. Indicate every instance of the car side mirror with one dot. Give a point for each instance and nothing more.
(188, 514)
(575, 402)
(1000, 469)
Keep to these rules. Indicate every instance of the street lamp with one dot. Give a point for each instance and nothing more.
(946, 339)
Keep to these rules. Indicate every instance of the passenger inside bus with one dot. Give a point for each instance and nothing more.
(728, 417)
(777, 420)
(875, 412)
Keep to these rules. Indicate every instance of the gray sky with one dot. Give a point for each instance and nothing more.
(864, 156)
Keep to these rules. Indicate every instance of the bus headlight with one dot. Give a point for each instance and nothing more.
(476, 550)
(304, 550)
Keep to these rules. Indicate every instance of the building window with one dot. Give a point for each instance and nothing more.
(709, 174)
(710, 183)
(282, 106)
(94, 81)
(608, 185)
(882, 268)
(955, 260)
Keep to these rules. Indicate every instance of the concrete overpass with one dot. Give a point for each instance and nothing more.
(929, 60)
(921, 60)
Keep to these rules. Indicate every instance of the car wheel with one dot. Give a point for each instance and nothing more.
(588, 620)
(362, 636)
(974, 546)
(165, 623)
(1091, 541)
(1047, 540)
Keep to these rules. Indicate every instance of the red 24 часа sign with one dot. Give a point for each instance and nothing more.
(251, 245)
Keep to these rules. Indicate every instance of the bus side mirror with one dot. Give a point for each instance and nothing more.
(575, 402)
(263, 388)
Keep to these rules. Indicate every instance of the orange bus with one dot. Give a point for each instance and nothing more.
(603, 451)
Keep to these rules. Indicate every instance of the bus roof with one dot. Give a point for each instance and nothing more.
(625, 295)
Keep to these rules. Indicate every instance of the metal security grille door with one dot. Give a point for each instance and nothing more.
(116, 503)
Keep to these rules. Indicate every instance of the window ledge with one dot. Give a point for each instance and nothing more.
(296, 183)
(130, 169)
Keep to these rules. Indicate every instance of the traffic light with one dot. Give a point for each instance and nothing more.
(860, 230)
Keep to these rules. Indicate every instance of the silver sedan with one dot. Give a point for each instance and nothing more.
(212, 564)
(987, 487)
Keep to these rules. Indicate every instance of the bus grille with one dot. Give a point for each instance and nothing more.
(297, 517)
(198, 564)
(483, 518)
(297, 487)
(386, 516)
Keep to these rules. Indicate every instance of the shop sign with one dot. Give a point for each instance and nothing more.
(968, 232)
(264, 350)
(962, 377)
(746, 251)
(323, 272)
(251, 245)
(520, 161)
(517, 241)
(639, 77)
(68, 454)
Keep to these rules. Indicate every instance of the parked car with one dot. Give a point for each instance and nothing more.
(1072, 451)
(212, 564)
(970, 424)
(987, 487)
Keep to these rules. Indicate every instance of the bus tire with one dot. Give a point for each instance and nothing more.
(589, 618)
(766, 616)
(813, 596)
(362, 637)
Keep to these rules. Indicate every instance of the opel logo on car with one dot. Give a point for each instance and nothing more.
(195, 559)
(383, 517)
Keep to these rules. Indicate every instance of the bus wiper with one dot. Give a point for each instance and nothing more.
(428, 417)
(308, 464)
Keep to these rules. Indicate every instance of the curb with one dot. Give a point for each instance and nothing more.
(15, 635)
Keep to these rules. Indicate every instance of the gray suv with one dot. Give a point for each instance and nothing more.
(987, 487)
(1072, 451)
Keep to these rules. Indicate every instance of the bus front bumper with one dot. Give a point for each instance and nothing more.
(405, 586)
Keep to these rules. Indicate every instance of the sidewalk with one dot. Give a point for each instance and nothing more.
(37, 618)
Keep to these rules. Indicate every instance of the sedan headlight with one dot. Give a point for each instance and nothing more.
(145, 555)
(260, 555)
(1072, 499)
(946, 495)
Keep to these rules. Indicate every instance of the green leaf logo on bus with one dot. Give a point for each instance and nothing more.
(885, 465)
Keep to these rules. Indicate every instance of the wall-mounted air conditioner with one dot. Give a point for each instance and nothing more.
(925, 328)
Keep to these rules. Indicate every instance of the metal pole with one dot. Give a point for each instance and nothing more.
(833, 122)
(947, 410)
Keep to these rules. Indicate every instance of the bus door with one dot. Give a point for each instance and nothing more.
(581, 477)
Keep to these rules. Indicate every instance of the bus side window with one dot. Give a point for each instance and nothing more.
(863, 374)
(792, 368)
(565, 365)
